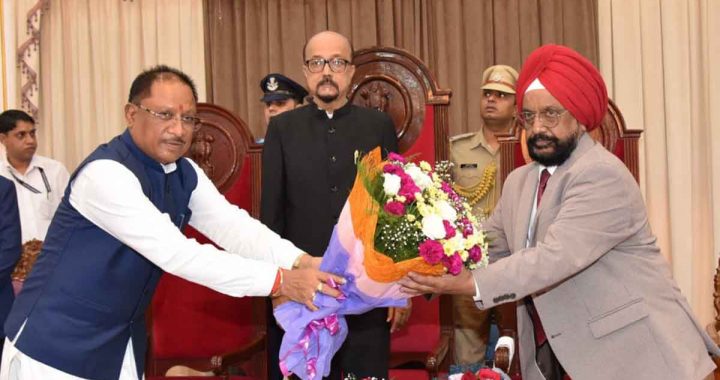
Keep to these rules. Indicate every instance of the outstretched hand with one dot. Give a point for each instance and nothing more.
(417, 284)
(302, 285)
(398, 316)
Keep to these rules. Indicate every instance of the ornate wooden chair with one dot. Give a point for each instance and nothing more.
(615, 136)
(190, 325)
(394, 81)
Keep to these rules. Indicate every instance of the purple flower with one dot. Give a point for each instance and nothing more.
(475, 253)
(396, 157)
(394, 208)
(449, 230)
(453, 264)
(431, 251)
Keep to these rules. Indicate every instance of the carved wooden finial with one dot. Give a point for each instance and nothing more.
(376, 96)
(716, 297)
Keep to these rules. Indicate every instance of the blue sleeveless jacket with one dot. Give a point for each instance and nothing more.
(88, 292)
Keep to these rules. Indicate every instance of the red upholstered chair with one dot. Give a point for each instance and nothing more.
(190, 325)
(394, 81)
(615, 136)
(420, 348)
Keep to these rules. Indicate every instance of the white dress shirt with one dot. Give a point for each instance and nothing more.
(37, 209)
(533, 213)
(109, 195)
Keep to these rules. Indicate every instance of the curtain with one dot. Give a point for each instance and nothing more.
(661, 60)
(90, 53)
(456, 39)
(20, 59)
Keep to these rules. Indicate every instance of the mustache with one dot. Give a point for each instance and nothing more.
(175, 140)
(533, 140)
(328, 80)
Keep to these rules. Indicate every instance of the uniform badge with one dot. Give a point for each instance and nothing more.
(272, 84)
(496, 77)
(468, 166)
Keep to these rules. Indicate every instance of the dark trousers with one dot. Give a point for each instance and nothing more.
(365, 353)
(274, 339)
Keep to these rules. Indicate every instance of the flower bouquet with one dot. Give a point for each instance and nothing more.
(399, 217)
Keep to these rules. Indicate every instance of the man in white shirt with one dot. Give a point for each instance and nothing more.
(81, 314)
(39, 181)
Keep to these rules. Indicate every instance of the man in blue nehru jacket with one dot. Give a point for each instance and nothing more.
(10, 247)
(119, 227)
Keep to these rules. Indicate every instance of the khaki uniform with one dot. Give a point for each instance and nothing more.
(476, 170)
(474, 161)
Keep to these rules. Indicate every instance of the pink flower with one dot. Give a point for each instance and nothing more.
(475, 253)
(394, 208)
(393, 169)
(431, 251)
(449, 229)
(467, 228)
(454, 264)
(395, 157)
(488, 374)
(408, 187)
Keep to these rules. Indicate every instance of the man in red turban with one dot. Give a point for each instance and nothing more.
(572, 248)
(578, 87)
(570, 78)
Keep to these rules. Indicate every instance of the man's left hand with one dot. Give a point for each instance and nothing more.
(306, 261)
(416, 284)
(398, 316)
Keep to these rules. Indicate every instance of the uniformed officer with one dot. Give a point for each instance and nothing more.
(475, 173)
(280, 94)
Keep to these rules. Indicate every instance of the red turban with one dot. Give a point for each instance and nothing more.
(570, 78)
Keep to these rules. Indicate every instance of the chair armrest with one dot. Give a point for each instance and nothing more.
(712, 331)
(221, 363)
(437, 355)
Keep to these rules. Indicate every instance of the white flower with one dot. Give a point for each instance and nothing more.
(446, 210)
(433, 227)
(454, 244)
(391, 184)
(421, 179)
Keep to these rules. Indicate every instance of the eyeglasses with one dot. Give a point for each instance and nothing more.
(337, 64)
(187, 121)
(549, 117)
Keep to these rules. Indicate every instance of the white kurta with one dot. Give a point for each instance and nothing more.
(37, 209)
(109, 195)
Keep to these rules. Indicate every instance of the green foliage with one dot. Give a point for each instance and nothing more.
(396, 237)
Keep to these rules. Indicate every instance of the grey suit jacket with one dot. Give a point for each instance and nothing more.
(603, 291)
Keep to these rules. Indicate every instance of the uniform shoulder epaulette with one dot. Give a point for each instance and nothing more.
(461, 136)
